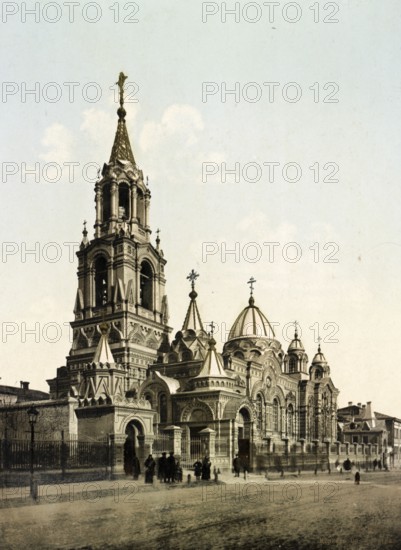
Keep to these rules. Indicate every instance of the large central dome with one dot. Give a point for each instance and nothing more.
(251, 322)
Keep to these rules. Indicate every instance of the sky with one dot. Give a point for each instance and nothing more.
(271, 141)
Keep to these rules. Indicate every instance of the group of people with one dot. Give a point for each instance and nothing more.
(168, 469)
(202, 469)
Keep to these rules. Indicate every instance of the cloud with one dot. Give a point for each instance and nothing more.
(59, 142)
(180, 122)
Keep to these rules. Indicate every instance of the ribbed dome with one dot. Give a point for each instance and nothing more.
(296, 344)
(251, 322)
(319, 358)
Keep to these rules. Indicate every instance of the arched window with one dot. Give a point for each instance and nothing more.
(163, 407)
(101, 281)
(276, 408)
(146, 286)
(259, 411)
(106, 202)
(292, 365)
(290, 420)
(123, 202)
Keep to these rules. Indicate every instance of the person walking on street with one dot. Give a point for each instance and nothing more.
(237, 466)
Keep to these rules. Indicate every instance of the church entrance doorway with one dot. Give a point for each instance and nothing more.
(244, 436)
(133, 447)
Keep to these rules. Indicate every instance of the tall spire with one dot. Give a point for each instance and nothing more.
(193, 319)
(121, 147)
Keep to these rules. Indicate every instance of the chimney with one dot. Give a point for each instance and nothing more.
(363, 407)
(24, 385)
(359, 405)
(349, 403)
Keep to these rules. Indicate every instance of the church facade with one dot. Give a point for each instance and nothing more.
(127, 378)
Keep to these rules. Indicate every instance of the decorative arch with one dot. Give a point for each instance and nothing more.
(234, 405)
(197, 404)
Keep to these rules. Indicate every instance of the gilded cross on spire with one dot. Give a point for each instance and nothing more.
(296, 324)
(212, 327)
(192, 277)
(120, 83)
(319, 340)
(251, 282)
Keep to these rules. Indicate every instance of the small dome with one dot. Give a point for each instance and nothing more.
(319, 358)
(296, 344)
(251, 322)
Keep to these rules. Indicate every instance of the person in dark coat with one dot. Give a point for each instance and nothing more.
(357, 478)
(374, 464)
(170, 470)
(136, 469)
(237, 466)
(150, 466)
(197, 470)
(161, 468)
(206, 466)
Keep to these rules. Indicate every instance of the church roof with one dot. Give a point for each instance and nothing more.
(121, 147)
(251, 322)
(103, 352)
(193, 319)
(213, 364)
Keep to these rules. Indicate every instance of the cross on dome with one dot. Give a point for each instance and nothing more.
(251, 282)
(192, 277)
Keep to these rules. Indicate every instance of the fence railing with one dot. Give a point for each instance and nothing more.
(53, 455)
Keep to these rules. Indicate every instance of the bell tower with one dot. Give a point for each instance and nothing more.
(121, 279)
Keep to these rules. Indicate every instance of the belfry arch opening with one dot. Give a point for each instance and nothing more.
(123, 202)
(133, 445)
(146, 286)
(106, 211)
(101, 281)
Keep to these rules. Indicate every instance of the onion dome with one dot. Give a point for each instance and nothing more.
(251, 322)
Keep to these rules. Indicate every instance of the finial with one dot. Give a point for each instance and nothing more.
(251, 282)
(296, 330)
(120, 83)
(147, 181)
(318, 348)
(212, 341)
(84, 241)
(158, 239)
(192, 277)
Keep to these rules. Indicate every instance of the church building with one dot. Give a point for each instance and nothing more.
(127, 378)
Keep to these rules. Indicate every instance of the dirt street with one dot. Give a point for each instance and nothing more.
(322, 512)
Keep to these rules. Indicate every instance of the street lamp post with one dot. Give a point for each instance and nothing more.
(32, 415)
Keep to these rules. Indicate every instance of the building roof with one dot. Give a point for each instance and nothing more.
(22, 394)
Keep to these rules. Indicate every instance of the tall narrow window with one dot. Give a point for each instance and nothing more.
(101, 281)
(146, 286)
(292, 365)
(163, 407)
(290, 420)
(259, 411)
(275, 415)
